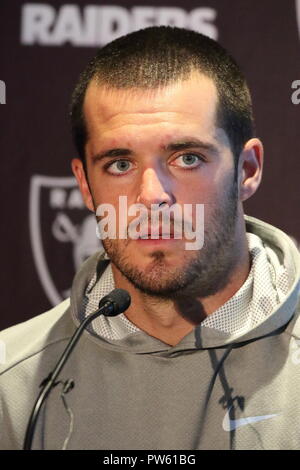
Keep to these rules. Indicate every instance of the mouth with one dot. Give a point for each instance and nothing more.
(149, 239)
(157, 234)
(160, 236)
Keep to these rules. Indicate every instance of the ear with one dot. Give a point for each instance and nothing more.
(79, 173)
(250, 168)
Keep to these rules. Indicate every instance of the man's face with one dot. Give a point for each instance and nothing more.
(163, 146)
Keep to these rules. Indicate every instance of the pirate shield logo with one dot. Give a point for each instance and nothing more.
(62, 232)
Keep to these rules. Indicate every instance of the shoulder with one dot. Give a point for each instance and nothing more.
(29, 351)
(293, 327)
(27, 339)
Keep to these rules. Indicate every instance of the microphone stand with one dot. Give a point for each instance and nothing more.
(108, 308)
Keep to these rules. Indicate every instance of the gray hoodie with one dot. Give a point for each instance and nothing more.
(213, 390)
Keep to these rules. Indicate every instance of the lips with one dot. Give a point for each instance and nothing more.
(156, 235)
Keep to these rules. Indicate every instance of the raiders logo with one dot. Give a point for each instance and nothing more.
(62, 233)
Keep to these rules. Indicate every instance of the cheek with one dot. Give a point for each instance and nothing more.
(210, 198)
(198, 192)
(102, 192)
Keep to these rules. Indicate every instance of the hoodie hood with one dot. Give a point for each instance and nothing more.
(202, 337)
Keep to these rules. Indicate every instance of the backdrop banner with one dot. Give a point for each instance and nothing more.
(46, 230)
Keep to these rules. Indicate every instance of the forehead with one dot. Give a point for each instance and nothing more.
(188, 105)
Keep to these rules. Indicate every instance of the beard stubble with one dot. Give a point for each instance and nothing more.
(203, 274)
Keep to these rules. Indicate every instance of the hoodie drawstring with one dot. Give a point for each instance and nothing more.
(216, 368)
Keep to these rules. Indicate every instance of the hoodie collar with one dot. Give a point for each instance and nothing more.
(202, 336)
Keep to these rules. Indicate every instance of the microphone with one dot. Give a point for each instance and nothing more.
(116, 302)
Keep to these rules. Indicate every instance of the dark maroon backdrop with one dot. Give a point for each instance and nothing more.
(46, 232)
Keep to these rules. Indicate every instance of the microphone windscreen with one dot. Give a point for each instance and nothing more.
(120, 298)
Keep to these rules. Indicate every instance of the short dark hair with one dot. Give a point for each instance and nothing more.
(161, 55)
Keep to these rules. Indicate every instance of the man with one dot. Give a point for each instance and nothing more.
(206, 356)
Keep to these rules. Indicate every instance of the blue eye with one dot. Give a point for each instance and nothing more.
(118, 167)
(188, 160)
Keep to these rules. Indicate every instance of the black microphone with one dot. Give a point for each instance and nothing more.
(116, 302)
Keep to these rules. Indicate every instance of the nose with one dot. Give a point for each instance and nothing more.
(155, 189)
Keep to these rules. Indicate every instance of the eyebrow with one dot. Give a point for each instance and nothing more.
(182, 144)
(195, 143)
(116, 152)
